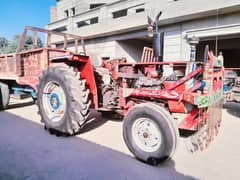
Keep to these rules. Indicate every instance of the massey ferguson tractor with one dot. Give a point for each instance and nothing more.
(156, 99)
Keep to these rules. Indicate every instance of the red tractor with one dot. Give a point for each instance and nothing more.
(154, 103)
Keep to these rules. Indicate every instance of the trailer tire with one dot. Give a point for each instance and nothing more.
(4, 96)
(63, 100)
(149, 133)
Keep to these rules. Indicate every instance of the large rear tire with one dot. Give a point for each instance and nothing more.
(63, 100)
(4, 96)
(149, 133)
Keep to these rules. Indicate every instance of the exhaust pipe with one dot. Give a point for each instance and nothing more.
(158, 38)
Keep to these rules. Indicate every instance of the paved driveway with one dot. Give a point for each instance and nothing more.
(27, 151)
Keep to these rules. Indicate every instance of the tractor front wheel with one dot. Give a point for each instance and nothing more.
(63, 100)
(149, 133)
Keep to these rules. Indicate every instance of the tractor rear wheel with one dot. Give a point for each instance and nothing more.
(63, 100)
(4, 96)
(150, 133)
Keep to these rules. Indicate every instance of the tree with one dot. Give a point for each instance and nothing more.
(29, 43)
(12, 45)
(3, 44)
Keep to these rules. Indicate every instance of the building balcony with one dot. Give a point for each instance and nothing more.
(112, 18)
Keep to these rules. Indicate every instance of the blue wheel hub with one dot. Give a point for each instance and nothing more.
(54, 101)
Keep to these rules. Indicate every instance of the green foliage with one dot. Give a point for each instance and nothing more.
(10, 47)
(3, 44)
(29, 43)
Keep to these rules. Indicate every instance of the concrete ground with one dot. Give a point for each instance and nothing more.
(29, 152)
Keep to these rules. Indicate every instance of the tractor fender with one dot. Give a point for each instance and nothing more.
(84, 64)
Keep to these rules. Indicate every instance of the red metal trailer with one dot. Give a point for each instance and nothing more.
(20, 71)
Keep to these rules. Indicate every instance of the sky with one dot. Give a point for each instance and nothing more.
(15, 14)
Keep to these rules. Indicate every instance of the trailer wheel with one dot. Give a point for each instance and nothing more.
(4, 96)
(149, 133)
(63, 100)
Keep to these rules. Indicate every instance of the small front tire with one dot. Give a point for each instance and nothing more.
(149, 133)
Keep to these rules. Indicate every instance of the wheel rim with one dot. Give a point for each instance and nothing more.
(54, 101)
(146, 134)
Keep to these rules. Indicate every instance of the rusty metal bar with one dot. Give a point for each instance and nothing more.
(65, 43)
(67, 37)
(35, 39)
(83, 46)
(22, 40)
(53, 32)
(76, 46)
(48, 39)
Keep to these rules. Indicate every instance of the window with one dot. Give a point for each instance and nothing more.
(87, 22)
(82, 23)
(66, 13)
(73, 11)
(94, 20)
(140, 10)
(60, 29)
(120, 13)
(92, 6)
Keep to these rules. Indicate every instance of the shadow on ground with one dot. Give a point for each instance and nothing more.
(233, 108)
(20, 104)
(27, 151)
(94, 121)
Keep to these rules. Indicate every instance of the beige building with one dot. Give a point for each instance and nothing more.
(119, 28)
